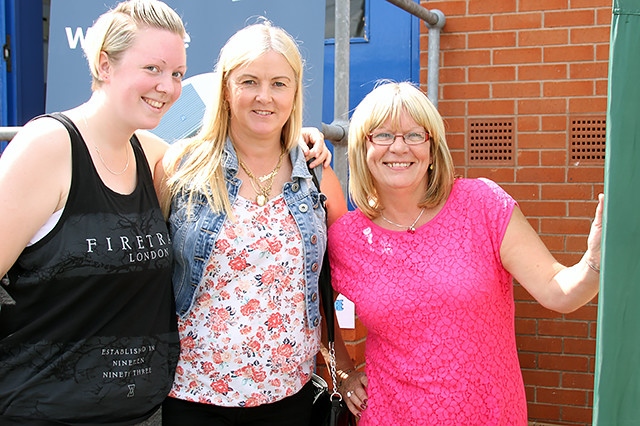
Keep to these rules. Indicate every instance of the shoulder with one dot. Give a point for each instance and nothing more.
(480, 190)
(153, 146)
(43, 141)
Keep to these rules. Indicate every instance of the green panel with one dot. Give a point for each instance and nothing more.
(617, 381)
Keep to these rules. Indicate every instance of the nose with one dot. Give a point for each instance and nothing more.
(264, 93)
(169, 85)
(398, 146)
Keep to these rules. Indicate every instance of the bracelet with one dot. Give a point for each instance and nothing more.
(592, 266)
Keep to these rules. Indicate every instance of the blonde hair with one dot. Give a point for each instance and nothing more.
(387, 101)
(195, 165)
(115, 30)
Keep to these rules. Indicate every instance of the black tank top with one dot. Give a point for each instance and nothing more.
(92, 338)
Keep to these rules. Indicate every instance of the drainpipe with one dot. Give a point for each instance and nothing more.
(337, 131)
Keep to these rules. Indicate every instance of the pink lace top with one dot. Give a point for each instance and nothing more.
(439, 310)
(245, 341)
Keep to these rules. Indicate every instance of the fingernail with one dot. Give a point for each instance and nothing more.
(363, 406)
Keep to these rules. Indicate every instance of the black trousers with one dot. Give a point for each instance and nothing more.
(294, 410)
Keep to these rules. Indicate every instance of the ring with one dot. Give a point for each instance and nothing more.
(349, 393)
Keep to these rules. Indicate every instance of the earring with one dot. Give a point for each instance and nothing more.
(431, 166)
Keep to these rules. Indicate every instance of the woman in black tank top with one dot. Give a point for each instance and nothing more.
(90, 334)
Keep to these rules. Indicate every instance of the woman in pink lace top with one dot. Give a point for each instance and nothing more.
(428, 259)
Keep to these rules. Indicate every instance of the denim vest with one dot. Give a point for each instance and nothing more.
(194, 236)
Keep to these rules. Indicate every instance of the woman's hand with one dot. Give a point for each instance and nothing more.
(354, 391)
(313, 146)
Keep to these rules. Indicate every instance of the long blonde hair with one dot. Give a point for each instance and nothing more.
(195, 165)
(386, 101)
(115, 30)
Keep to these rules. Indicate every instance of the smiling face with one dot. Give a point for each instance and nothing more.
(261, 95)
(147, 79)
(399, 167)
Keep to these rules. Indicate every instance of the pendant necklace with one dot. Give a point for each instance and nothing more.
(262, 185)
(411, 228)
(126, 166)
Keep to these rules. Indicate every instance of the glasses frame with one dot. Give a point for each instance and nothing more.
(427, 138)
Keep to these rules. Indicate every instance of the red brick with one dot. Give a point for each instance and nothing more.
(543, 37)
(541, 378)
(541, 175)
(588, 70)
(526, 5)
(492, 39)
(563, 328)
(554, 123)
(568, 88)
(457, 24)
(528, 158)
(466, 57)
(570, 18)
(491, 7)
(517, 21)
(587, 105)
(543, 208)
(543, 412)
(561, 396)
(563, 362)
(542, 106)
(539, 344)
(565, 226)
(492, 73)
(523, 192)
(516, 90)
(566, 192)
(491, 108)
(498, 174)
(540, 72)
(579, 346)
(466, 91)
(575, 415)
(590, 35)
(517, 56)
(529, 124)
(569, 53)
(554, 158)
(577, 380)
(526, 326)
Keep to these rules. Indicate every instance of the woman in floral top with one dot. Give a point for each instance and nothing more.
(249, 234)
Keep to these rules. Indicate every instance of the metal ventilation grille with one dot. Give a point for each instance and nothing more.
(491, 142)
(588, 137)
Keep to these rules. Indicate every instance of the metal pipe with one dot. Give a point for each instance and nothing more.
(341, 89)
(433, 66)
(7, 133)
(415, 9)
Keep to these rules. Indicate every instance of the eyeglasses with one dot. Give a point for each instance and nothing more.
(386, 138)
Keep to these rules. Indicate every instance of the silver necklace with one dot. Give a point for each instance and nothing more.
(411, 228)
(126, 166)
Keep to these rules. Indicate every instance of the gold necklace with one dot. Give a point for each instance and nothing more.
(411, 228)
(126, 166)
(263, 184)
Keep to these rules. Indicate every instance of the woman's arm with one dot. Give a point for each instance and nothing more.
(553, 285)
(336, 203)
(35, 175)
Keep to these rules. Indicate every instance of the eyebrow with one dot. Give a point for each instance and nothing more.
(282, 77)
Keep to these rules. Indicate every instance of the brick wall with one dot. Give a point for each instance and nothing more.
(530, 76)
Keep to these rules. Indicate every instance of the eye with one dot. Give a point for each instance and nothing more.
(383, 136)
(280, 84)
(178, 74)
(152, 68)
(415, 136)
(248, 82)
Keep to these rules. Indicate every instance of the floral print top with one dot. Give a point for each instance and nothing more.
(245, 341)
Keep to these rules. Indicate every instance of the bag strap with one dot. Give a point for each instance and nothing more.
(326, 295)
